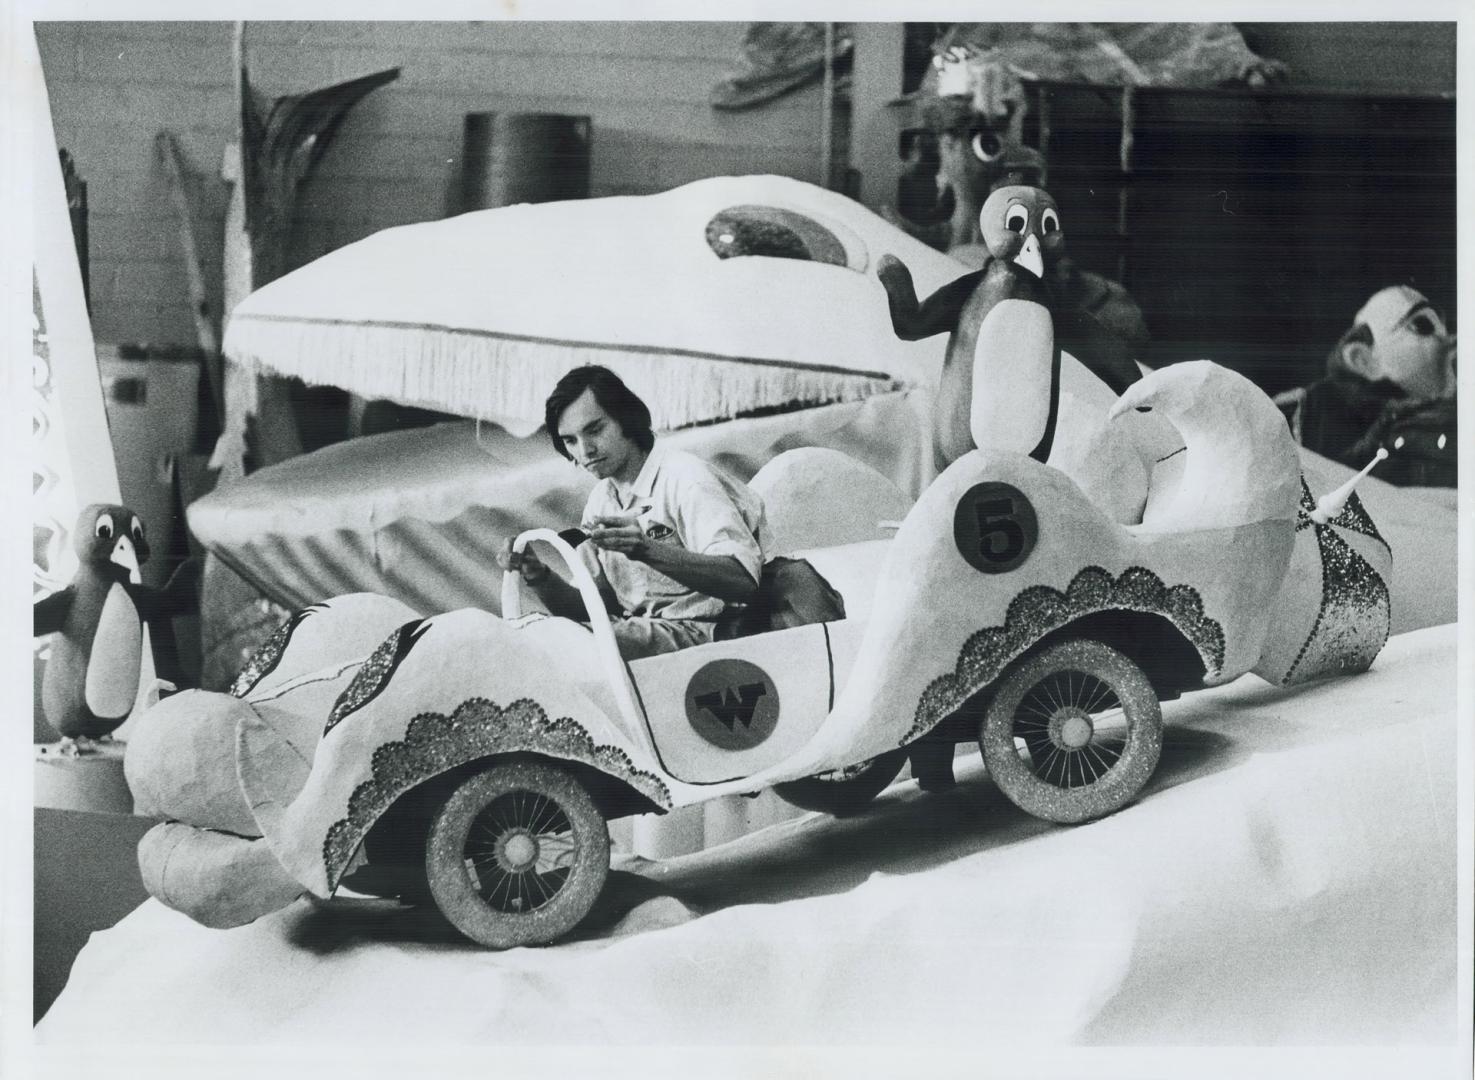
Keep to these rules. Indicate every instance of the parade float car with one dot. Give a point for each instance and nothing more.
(1007, 606)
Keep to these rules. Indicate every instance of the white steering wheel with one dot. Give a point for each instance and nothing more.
(583, 581)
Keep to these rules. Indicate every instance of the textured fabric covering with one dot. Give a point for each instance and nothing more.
(1287, 878)
(418, 515)
(510, 299)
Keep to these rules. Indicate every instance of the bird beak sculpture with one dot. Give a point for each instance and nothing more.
(127, 558)
(1029, 257)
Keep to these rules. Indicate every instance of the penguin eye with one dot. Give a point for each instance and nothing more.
(986, 146)
(1016, 219)
(104, 528)
(1049, 221)
(136, 528)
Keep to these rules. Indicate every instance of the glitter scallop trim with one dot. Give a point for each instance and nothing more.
(434, 743)
(265, 659)
(1040, 609)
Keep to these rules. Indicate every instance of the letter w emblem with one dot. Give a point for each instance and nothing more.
(733, 705)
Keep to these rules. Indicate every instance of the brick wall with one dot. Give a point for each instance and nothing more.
(396, 159)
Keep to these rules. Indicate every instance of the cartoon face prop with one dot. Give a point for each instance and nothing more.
(108, 533)
(1022, 225)
(1411, 345)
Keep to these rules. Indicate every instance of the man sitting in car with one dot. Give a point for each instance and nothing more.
(670, 540)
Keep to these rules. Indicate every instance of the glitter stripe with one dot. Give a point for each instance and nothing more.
(1353, 620)
(265, 659)
(375, 673)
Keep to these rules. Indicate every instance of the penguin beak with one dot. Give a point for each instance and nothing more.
(126, 557)
(1030, 258)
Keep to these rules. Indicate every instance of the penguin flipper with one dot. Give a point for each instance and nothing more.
(165, 645)
(48, 613)
(938, 314)
(158, 610)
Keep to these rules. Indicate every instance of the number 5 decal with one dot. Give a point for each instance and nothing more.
(995, 527)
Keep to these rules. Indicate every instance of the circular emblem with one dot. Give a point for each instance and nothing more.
(995, 527)
(732, 704)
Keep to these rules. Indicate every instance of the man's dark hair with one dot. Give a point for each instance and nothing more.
(613, 396)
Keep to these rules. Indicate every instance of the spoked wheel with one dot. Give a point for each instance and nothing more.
(517, 855)
(1073, 733)
(844, 791)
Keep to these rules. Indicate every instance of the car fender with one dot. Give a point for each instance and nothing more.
(438, 693)
(942, 629)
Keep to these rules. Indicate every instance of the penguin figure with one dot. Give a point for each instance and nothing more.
(1007, 330)
(92, 678)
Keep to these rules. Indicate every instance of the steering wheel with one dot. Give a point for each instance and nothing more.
(604, 637)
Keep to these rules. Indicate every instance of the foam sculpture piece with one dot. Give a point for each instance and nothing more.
(415, 514)
(475, 759)
(412, 514)
(718, 298)
(93, 677)
(1007, 365)
(206, 857)
(710, 300)
(972, 104)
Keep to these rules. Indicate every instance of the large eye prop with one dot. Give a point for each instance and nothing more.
(135, 529)
(104, 527)
(1049, 222)
(1016, 219)
(987, 147)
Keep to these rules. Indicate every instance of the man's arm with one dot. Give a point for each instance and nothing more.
(720, 576)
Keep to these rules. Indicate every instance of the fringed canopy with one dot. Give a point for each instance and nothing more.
(719, 298)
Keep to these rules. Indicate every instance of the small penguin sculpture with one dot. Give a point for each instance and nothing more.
(92, 678)
(1006, 331)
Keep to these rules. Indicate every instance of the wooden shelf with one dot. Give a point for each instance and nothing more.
(1250, 224)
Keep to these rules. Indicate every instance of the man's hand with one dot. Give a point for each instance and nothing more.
(533, 570)
(614, 532)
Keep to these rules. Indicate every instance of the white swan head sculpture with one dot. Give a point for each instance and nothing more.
(1240, 462)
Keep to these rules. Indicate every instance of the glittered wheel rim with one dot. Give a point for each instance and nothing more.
(1073, 733)
(517, 855)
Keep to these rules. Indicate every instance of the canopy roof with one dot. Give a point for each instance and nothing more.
(714, 299)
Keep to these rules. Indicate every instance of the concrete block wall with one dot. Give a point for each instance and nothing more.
(396, 159)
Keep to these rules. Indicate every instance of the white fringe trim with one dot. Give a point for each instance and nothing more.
(507, 379)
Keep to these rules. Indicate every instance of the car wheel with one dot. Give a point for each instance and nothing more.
(1073, 732)
(844, 791)
(517, 855)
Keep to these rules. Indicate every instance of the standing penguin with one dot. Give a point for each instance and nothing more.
(1007, 329)
(92, 678)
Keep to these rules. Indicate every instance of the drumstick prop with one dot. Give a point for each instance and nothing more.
(1330, 504)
